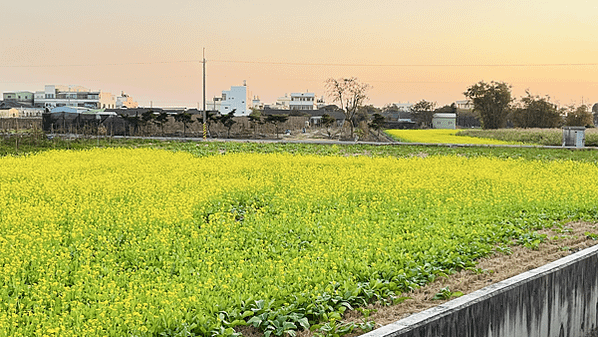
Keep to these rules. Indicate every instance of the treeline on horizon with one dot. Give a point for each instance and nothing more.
(495, 107)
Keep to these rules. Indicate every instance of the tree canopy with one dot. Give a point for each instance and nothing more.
(185, 118)
(423, 112)
(579, 116)
(536, 112)
(276, 120)
(492, 101)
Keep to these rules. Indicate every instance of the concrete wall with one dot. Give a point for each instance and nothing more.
(559, 299)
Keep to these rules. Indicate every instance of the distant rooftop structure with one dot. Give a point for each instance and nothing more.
(464, 104)
(404, 107)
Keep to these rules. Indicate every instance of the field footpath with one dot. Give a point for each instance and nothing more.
(339, 142)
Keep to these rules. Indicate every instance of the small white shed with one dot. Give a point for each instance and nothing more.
(444, 121)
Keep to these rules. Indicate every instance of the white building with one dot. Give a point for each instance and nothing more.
(125, 101)
(404, 107)
(256, 103)
(214, 104)
(30, 112)
(444, 121)
(320, 103)
(57, 96)
(235, 98)
(303, 101)
(283, 103)
(465, 105)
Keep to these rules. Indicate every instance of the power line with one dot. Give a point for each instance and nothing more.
(408, 65)
(95, 64)
(305, 64)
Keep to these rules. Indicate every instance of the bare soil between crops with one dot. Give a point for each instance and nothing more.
(498, 267)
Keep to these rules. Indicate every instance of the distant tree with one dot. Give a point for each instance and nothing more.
(392, 112)
(595, 113)
(364, 112)
(350, 94)
(255, 119)
(446, 109)
(536, 112)
(131, 121)
(390, 107)
(423, 112)
(276, 120)
(331, 108)
(185, 118)
(377, 122)
(161, 121)
(492, 101)
(228, 120)
(327, 121)
(578, 116)
(146, 119)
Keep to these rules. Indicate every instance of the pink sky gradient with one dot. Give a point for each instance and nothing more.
(407, 50)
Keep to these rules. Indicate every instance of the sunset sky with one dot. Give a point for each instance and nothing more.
(407, 50)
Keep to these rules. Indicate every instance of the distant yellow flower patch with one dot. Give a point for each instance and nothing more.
(442, 136)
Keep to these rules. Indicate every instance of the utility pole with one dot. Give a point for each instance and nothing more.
(204, 94)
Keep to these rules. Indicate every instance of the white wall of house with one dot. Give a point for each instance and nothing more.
(235, 98)
(444, 121)
(302, 101)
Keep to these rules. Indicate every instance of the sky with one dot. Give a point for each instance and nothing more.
(406, 50)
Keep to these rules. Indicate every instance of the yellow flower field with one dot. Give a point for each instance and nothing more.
(145, 242)
(442, 136)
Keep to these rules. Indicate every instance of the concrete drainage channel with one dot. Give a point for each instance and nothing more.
(559, 299)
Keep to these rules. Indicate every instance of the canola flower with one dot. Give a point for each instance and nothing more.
(442, 136)
(112, 242)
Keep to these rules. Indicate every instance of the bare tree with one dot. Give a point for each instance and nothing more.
(350, 94)
(277, 120)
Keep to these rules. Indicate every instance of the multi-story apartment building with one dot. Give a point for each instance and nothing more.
(303, 101)
(56, 96)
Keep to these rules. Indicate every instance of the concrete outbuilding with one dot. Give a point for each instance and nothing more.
(444, 120)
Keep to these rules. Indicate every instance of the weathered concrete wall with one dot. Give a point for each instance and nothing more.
(559, 299)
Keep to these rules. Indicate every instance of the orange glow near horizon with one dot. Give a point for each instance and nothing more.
(437, 48)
